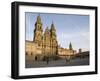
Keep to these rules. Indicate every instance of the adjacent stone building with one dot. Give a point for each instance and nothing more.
(45, 43)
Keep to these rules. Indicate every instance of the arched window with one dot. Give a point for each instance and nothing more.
(39, 27)
(35, 58)
(26, 53)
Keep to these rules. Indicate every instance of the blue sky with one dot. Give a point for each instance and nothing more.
(69, 28)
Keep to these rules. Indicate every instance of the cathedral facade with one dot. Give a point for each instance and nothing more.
(45, 43)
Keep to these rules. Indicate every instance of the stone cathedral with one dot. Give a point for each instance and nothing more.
(47, 40)
(45, 43)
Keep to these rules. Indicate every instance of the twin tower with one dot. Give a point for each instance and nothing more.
(47, 41)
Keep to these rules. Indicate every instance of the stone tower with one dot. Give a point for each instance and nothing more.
(47, 37)
(70, 46)
(53, 40)
(38, 31)
(46, 43)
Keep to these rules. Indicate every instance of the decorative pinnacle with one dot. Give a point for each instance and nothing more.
(70, 46)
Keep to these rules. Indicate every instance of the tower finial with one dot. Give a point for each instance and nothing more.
(52, 21)
(39, 19)
(70, 46)
(38, 14)
(52, 26)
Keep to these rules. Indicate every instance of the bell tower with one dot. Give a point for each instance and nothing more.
(38, 31)
(54, 43)
(53, 31)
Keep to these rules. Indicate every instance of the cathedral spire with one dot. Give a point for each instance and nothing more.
(38, 31)
(38, 20)
(70, 46)
(52, 26)
(53, 31)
